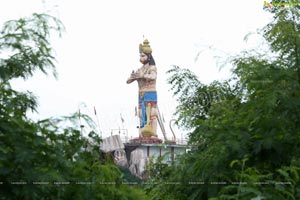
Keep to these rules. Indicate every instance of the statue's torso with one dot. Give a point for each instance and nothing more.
(147, 84)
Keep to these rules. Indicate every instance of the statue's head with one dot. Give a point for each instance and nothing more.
(146, 53)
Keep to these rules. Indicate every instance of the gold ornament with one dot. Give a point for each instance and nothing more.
(145, 47)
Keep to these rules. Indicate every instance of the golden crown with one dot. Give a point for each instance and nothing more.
(145, 47)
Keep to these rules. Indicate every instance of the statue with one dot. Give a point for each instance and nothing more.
(146, 78)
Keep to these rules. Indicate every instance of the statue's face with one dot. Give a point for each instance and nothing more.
(143, 58)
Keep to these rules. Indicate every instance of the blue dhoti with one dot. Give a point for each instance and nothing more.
(144, 99)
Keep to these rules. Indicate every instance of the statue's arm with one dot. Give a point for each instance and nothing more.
(132, 77)
(152, 73)
(129, 80)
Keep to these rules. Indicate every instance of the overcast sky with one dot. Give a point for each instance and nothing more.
(99, 50)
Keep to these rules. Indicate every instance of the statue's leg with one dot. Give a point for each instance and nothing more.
(153, 121)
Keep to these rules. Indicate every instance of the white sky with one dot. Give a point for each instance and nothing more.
(99, 50)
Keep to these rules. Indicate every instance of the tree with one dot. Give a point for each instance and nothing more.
(248, 135)
(48, 159)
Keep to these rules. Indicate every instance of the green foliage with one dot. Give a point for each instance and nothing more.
(159, 181)
(48, 159)
(27, 45)
(247, 129)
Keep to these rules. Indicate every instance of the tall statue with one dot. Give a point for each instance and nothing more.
(146, 78)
